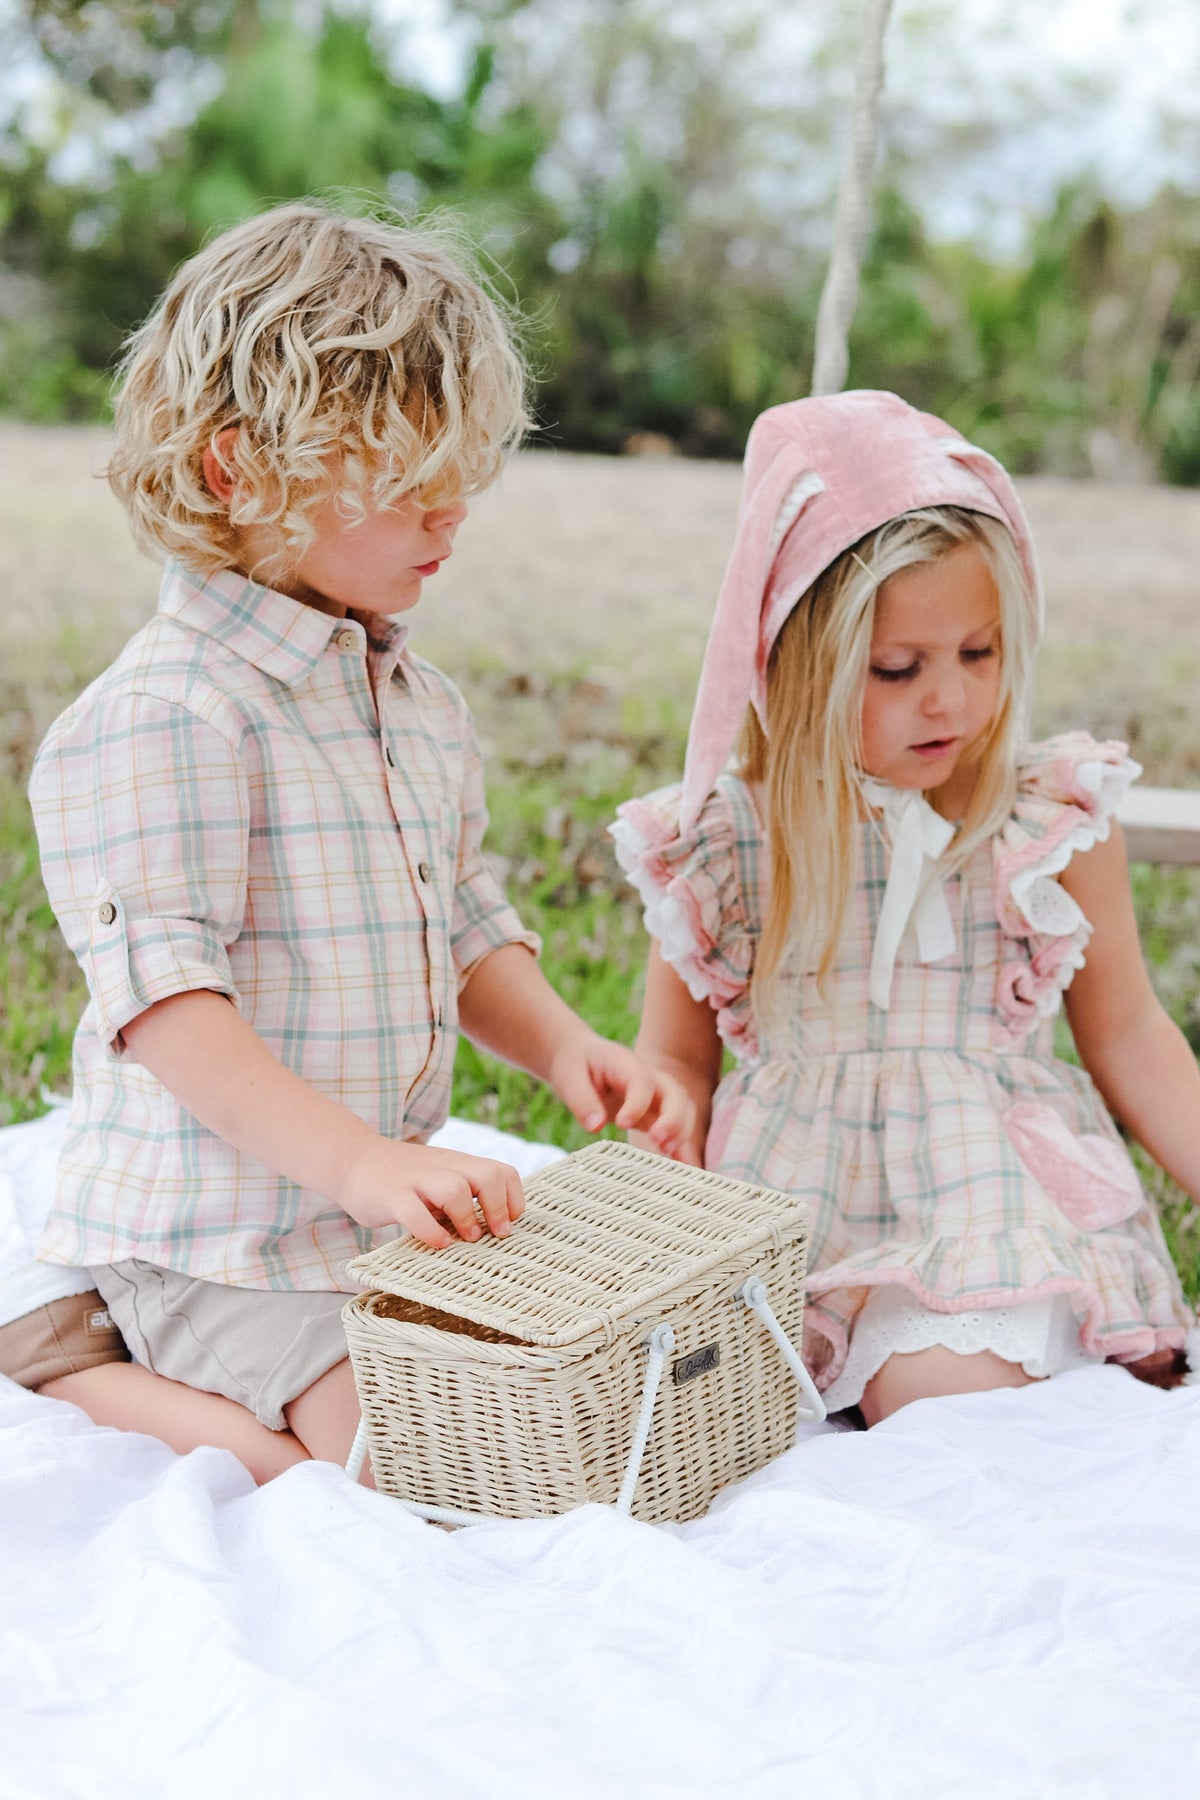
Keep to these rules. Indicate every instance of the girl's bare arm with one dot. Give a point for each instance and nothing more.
(1137, 1057)
(507, 1006)
(679, 1036)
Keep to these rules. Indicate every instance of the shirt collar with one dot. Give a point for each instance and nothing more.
(282, 637)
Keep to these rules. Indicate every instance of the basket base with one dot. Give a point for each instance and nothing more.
(660, 1342)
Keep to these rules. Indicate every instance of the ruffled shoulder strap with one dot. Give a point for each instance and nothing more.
(1068, 789)
(701, 891)
(1075, 769)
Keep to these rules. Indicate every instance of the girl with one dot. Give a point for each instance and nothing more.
(878, 914)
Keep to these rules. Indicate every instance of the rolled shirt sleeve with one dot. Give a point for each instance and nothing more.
(143, 820)
(482, 919)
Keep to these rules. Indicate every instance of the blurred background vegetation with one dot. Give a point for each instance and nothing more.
(656, 203)
(651, 181)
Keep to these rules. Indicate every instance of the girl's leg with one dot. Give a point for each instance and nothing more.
(325, 1417)
(132, 1398)
(925, 1374)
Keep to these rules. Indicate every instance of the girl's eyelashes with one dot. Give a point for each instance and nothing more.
(911, 669)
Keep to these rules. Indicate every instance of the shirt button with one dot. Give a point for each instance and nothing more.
(346, 640)
(424, 871)
(106, 912)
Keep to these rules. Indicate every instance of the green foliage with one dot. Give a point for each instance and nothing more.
(1179, 459)
(620, 171)
(298, 112)
(41, 991)
(47, 383)
(1081, 359)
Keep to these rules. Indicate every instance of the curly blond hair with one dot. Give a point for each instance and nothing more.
(335, 343)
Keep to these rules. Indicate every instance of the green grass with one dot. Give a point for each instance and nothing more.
(562, 753)
(571, 755)
(41, 989)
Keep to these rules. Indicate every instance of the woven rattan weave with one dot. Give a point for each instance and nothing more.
(504, 1377)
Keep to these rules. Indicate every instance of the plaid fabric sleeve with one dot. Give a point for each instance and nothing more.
(482, 919)
(142, 814)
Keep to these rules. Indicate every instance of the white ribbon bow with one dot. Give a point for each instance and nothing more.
(918, 836)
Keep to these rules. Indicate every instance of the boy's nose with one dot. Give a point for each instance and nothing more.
(439, 518)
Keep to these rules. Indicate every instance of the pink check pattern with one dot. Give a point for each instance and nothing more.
(894, 1126)
(264, 801)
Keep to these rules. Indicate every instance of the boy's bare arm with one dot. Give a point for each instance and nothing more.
(507, 1006)
(204, 1052)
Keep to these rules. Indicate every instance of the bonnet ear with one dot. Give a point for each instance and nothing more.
(772, 501)
(998, 482)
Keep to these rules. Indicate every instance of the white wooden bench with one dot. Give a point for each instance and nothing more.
(1162, 825)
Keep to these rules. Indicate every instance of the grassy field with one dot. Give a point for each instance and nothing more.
(573, 615)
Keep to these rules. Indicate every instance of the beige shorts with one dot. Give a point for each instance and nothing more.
(257, 1346)
(61, 1338)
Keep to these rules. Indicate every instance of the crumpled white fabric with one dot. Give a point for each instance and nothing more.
(914, 890)
(987, 1598)
(28, 1160)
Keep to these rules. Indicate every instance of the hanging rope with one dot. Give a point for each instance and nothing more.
(852, 215)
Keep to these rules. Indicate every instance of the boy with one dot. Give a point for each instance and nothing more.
(260, 829)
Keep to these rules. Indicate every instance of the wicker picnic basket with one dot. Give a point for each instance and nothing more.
(632, 1342)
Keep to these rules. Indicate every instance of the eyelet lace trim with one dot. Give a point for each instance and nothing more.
(1041, 1335)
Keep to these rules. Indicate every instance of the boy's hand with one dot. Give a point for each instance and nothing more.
(435, 1194)
(606, 1084)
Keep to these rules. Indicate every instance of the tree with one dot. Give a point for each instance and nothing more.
(295, 108)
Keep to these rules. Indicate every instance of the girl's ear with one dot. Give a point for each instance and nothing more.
(219, 477)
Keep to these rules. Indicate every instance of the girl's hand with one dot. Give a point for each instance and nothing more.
(604, 1083)
(435, 1194)
(687, 1146)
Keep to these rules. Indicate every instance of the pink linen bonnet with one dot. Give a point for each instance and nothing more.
(819, 475)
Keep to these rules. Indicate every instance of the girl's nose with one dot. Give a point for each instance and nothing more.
(946, 693)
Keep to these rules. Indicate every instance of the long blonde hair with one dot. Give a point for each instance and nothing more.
(807, 762)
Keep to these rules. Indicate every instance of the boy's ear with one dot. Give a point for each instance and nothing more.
(218, 475)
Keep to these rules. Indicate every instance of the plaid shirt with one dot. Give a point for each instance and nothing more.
(260, 800)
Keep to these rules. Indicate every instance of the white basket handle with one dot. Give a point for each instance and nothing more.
(754, 1293)
(661, 1342)
(358, 1451)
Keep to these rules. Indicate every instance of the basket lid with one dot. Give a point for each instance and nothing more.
(605, 1232)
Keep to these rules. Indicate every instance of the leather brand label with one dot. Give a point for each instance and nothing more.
(698, 1363)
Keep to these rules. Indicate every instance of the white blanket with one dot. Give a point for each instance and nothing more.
(987, 1597)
